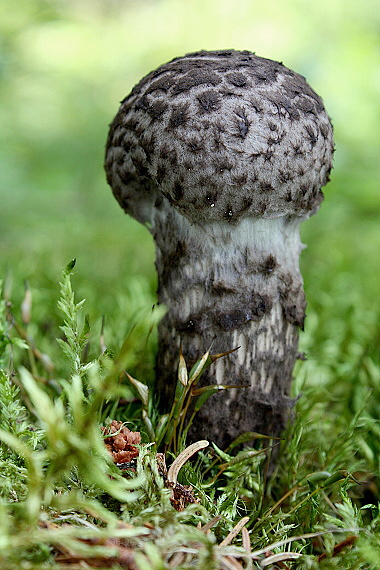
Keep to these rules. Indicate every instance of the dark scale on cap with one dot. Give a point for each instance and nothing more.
(194, 78)
(228, 214)
(267, 155)
(210, 199)
(157, 108)
(312, 135)
(236, 78)
(247, 203)
(195, 145)
(223, 163)
(240, 180)
(242, 123)
(270, 136)
(178, 191)
(266, 187)
(179, 116)
(209, 101)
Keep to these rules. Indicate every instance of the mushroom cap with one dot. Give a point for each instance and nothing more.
(221, 134)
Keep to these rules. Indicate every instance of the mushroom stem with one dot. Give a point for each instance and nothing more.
(230, 285)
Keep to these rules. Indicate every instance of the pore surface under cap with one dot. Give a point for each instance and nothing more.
(221, 135)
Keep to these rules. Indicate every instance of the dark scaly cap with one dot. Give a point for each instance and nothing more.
(222, 135)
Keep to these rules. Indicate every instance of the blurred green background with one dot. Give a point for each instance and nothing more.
(65, 65)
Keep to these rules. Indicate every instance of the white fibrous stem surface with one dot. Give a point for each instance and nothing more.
(225, 286)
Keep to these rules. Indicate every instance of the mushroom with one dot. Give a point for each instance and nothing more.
(222, 155)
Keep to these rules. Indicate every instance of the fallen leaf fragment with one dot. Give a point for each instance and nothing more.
(182, 494)
(183, 457)
(234, 532)
(281, 557)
